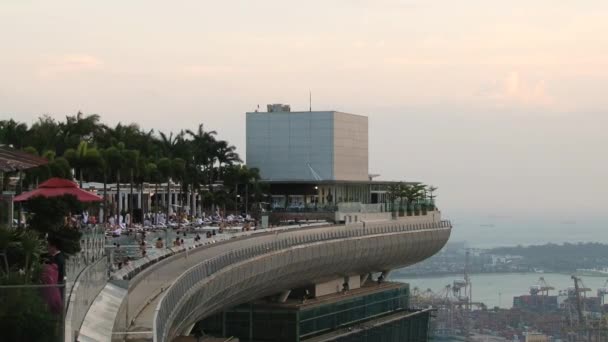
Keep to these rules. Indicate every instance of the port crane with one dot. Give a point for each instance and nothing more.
(542, 287)
(579, 301)
(602, 292)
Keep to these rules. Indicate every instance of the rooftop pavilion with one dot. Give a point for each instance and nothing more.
(314, 160)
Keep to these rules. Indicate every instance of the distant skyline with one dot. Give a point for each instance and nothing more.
(500, 104)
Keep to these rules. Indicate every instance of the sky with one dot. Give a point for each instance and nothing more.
(501, 104)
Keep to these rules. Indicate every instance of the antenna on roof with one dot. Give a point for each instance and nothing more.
(309, 100)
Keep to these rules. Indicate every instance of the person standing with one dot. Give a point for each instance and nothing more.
(58, 258)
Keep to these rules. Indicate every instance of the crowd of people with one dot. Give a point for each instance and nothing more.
(155, 224)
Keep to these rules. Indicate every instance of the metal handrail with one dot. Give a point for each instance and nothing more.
(208, 267)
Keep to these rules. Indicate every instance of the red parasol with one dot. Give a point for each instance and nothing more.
(55, 187)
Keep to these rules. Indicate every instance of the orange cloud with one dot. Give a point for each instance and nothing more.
(513, 90)
(70, 63)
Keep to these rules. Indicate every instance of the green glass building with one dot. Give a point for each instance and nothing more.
(374, 312)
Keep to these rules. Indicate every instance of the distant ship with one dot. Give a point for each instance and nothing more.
(487, 225)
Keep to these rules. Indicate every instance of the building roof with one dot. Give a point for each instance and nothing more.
(307, 112)
(14, 160)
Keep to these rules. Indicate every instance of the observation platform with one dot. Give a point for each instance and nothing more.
(162, 297)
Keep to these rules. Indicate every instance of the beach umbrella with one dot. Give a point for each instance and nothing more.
(55, 187)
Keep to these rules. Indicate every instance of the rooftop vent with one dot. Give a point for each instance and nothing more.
(278, 107)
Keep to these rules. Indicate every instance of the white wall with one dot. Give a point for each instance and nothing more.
(350, 147)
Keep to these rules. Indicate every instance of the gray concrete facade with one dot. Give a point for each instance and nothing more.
(320, 145)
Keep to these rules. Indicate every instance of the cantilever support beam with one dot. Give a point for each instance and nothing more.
(384, 276)
(283, 296)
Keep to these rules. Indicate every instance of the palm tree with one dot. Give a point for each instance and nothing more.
(411, 193)
(153, 176)
(30, 245)
(79, 128)
(164, 168)
(431, 189)
(114, 161)
(13, 133)
(394, 191)
(169, 145)
(130, 162)
(202, 146)
(45, 134)
(178, 168)
(225, 154)
(92, 163)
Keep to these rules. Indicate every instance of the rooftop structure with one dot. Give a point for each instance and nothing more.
(315, 161)
(315, 271)
(307, 146)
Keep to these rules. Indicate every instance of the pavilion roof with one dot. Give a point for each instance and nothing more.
(15, 160)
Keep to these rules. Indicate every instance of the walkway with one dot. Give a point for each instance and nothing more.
(260, 262)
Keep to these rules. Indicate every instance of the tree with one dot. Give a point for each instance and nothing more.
(79, 128)
(45, 134)
(152, 175)
(164, 168)
(131, 158)
(178, 168)
(92, 163)
(169, 144)
(13, 133)
(202, 146)
(431, 189)
(394, 191)
(24, 316)
(60, 167)
(114, 160)
(411, 193)
(96, 152)
(48, 218)
(78, 159)
(225, 154)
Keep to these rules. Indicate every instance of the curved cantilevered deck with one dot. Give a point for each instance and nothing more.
(164, 297)
(290, 261)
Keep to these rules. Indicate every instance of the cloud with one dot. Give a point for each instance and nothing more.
(70, 64)
(513, 90)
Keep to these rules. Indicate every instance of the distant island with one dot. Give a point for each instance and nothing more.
(567, 257)
(589, 259)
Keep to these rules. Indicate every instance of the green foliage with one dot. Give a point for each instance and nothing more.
(49, 218)
(178, 167)
(164, 167)
(31, 150)
(24, 316)
(101, 153)
(60, 167)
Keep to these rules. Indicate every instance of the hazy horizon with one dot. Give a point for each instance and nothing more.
(500, 105)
